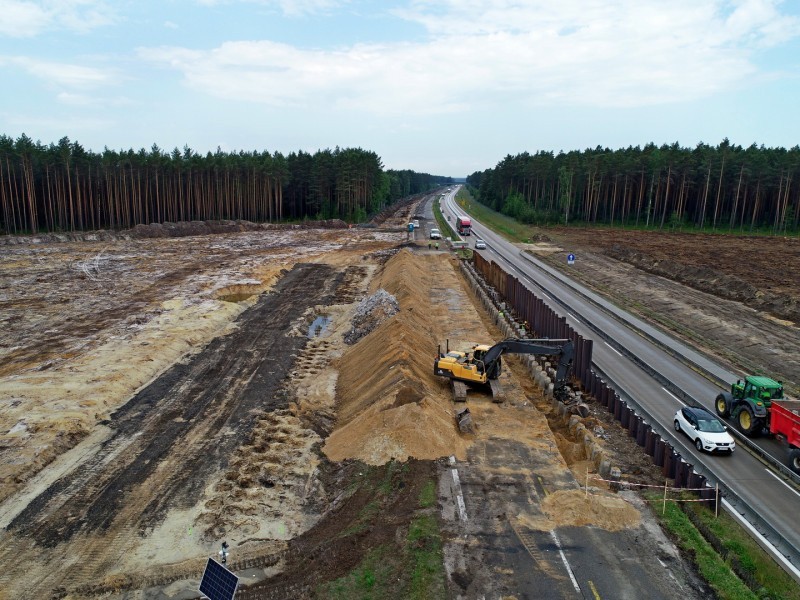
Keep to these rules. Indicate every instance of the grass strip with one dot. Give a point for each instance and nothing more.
(766, 577)
(711, 566)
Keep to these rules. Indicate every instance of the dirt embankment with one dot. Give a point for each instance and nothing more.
(389, 405)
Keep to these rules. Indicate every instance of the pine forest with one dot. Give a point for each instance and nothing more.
(725, 188)
(64, 187)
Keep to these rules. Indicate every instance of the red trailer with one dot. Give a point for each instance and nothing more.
(463, 225)
(784, 423)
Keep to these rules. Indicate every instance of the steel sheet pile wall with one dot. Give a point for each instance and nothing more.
(543, 321)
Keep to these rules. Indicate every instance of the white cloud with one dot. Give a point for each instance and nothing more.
(28, 18)
(63, 74)
(486, 53)
(86, 100)
(290, 8)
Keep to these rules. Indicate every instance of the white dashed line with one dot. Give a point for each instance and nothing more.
(573, 318)
(612, 347)
(674, 396)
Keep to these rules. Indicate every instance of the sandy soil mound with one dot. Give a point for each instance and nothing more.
(572, 508)
(389, 403)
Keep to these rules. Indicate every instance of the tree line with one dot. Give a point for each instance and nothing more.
(724, 187)
(64, 187)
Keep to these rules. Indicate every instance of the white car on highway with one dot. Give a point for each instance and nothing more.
(480, 244)
(704, 429)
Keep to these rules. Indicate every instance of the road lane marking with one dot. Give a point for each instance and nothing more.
(462, 509)
(757, 534)
(791, 489)
(573, 318)
(612, 347)
(554, 535)
(594, 590)
(674, 396)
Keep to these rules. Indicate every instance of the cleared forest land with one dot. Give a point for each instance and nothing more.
(737, 297)
(161, 395)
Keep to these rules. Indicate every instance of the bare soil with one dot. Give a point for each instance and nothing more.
(160, 394)
(735, 297)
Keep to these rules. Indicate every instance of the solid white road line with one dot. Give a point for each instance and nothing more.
(764, 541)
(612, 347)
(462, 508)
(791, 489)
(564, 559)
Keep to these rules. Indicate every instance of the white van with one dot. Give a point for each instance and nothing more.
(436, 234)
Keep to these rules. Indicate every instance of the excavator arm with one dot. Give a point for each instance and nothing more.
(484, 365)
(564, 349)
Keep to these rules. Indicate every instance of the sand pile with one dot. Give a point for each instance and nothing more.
(573, 508)
(389, 403)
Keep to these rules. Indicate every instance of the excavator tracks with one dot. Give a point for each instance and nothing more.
(459, 391)
(498, 394)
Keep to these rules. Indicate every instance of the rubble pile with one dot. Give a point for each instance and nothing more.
(371, 312)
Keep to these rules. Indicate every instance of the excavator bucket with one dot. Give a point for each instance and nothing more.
(464, 420)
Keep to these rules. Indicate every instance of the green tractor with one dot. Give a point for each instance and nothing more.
(749, 402)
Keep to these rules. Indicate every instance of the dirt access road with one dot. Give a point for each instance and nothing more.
(161, 395)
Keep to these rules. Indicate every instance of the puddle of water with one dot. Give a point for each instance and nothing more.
(318, 326)
(236, 297)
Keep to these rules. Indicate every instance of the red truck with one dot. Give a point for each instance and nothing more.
(463, 225)
(784, 423)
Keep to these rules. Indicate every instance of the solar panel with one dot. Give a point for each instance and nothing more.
(218, 583)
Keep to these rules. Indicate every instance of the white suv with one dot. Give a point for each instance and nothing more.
(436, 234)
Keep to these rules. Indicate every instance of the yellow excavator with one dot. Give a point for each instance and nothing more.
(482, 364)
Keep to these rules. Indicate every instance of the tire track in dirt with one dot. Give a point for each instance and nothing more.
(169, 439)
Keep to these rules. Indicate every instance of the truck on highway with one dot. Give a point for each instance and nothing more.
(784, 423)
(463, 225)
(756, 405)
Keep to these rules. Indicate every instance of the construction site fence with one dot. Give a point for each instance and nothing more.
(542, 321)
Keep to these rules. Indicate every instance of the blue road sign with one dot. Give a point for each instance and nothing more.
(570, 259)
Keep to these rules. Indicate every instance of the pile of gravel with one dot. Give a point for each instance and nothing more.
(371, 312)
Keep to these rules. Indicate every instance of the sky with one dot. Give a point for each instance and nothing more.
(446, 87)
